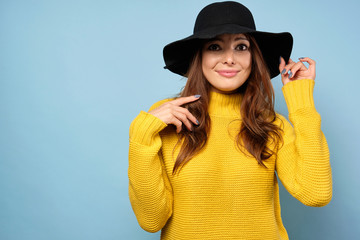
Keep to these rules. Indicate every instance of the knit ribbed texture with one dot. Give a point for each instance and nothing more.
(222, 193)
(299, 94)
(224, 105)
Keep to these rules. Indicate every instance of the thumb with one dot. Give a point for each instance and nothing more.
(282, 64)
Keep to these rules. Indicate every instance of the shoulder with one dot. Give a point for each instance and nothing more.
(159, 103)
(287, 130)
(282, 122)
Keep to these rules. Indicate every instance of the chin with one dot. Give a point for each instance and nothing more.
(225, 90)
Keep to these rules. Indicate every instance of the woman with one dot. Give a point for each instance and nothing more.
(202, 166)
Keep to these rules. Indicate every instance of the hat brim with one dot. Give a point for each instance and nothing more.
(178, 54)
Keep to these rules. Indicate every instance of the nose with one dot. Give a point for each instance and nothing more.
(229, 57)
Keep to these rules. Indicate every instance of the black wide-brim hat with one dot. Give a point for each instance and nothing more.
(227, 17)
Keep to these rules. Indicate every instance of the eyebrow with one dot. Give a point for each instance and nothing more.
(241, 38)
(236, 39)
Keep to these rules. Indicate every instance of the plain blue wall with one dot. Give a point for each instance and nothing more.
(74, 74)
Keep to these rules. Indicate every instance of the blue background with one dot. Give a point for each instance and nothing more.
(74, 74)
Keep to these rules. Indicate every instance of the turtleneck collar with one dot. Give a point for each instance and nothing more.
(224, 104)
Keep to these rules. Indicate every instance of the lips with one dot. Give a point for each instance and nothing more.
(227, 73)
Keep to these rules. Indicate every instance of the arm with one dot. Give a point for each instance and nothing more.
(303, 164)
(150, 191)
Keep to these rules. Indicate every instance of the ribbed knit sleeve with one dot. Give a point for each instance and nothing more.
(303, 162)
(150, 191)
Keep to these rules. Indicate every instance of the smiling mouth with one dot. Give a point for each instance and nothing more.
(227, 73)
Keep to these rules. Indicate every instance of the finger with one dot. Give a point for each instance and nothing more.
(282, 64)
(296, 67)
(309, 60)
(312, 64)
(286, 68)
(178, 124)
(182, 100)
(182, 117)
(188, 114)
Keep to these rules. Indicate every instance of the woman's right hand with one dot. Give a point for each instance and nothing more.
(172, 113)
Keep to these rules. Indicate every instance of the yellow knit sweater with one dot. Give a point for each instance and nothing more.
(222, 193)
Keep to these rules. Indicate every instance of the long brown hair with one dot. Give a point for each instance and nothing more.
(257, 111)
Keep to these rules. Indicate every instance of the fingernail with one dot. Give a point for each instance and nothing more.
(280, 59)
(197, 95)
(301, 57)
(197, 122)
(283, 71)
(290, 74)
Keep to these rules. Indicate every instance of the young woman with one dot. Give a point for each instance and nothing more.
(203, 165)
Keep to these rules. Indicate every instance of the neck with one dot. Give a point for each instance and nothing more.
(222, 104)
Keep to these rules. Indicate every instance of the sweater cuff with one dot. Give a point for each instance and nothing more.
(145, 128)
(298, 94)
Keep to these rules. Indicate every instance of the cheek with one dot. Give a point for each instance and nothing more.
(246, 61)
(249, 63)
(208, 61)
(205, 65)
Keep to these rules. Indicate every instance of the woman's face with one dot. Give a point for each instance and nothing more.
(226, 62)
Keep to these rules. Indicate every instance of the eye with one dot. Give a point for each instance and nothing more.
(213, 47)
(242, 47)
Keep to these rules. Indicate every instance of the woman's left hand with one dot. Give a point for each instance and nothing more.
(297, 70)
